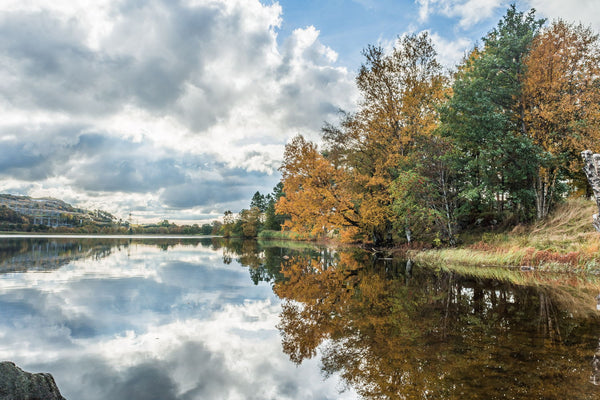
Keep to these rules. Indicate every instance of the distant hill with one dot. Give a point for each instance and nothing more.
(46, 214)
(48, 211)
(48, 203)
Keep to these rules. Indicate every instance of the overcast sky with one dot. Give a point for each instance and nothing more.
(180, 109)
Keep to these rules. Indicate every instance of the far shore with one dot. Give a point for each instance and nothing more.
(565, 242)
(103, 236)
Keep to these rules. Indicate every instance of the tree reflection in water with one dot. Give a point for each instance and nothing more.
(41, 253)
(401, 331)
(394, 331)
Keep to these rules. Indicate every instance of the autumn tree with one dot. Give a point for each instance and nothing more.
(228, 223)
(250, 222)
(401, 92)
(314, 197)
(348, 184)
(562, 105)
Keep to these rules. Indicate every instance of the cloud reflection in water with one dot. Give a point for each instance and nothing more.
(149, 324)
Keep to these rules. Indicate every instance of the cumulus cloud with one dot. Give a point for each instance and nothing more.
(451, 47)
(450, 52)
(585, 11)
(469, 12)
(129, 104)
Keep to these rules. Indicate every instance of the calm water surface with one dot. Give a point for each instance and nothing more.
(212, 319)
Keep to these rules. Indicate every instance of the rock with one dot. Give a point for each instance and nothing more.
(16, 384)
(591, 167)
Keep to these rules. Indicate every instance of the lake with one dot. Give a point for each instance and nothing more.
(173, 318)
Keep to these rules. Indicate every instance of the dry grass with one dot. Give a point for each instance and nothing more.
(565, 241)
(570, 225)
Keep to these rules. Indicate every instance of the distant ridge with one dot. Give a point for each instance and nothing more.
(49, 203)
(52, 212)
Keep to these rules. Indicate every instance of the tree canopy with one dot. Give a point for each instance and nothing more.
(427, 153)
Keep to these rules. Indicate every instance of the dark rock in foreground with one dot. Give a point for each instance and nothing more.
(16, 384)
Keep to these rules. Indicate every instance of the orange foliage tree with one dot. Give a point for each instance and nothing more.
(348, 185)
(401, 93)
(562, 96)
(316, 197)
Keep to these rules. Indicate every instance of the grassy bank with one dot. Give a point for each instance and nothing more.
(563, 242)
(279, 235)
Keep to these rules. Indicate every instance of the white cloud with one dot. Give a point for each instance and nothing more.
(584, 11)
(139, 314)
(450, 52)
(423, 9)
(161, 82)
(469, 12)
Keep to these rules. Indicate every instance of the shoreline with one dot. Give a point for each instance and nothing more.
(465, 258)
(101, 236)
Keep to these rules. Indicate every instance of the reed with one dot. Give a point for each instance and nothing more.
(563, 242)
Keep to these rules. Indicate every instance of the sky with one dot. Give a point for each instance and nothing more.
(181, 109)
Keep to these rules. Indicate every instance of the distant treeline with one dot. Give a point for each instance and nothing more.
(261, 219)
(428, 154)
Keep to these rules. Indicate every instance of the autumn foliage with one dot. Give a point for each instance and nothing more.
(347, 186)
(426, 154)
(562, 100)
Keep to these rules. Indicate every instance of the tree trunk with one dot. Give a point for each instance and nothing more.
(544, 192)
(590, 167)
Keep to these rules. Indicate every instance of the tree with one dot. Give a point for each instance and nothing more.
(259, 201)
(401, 92)
(9, 215)
(206, 229)
(562, 105)
(228, 223)
(217, 228)
(484, 118)
(250, 222)
(347, 186)
(314, 197)
(273, 220)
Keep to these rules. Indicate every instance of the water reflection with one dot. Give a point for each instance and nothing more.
(163, 320)
(394, 331)
(45, 254)
(393, 334)
(391, 330)
(166, 319)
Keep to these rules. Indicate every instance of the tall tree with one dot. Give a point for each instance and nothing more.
(314, 197)
(259, 201)
(485, 118)
(401, 92)
(425, 198)
(273, 220)
(228, 223)
(562, 104)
